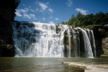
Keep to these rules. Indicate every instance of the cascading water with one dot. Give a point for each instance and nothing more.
(33, 39)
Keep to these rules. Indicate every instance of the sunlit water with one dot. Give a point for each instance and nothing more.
(30, 64)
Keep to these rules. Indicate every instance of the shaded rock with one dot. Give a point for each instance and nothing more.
(7, 14)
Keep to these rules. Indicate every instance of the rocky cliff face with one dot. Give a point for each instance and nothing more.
(105, 47)
(101, 34)
(7, 14)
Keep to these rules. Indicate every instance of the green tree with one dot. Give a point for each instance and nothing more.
(90, 19)
(99, 18)
(71, 21)
(106, 18)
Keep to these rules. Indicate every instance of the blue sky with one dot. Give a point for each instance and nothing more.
(56, 11)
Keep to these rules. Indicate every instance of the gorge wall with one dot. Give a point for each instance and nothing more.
(101, 38)
(105, 47)
(7, 14)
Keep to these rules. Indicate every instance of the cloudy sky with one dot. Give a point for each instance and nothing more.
(56, 11)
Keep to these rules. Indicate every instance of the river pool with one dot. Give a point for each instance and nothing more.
(32, 64)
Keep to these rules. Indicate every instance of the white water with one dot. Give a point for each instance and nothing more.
(87, 44)
(33, 39)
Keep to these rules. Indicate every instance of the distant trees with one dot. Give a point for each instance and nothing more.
(89, 19)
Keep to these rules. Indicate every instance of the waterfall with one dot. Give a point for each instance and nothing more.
(69, 37)
(32, 39)
(87, 44)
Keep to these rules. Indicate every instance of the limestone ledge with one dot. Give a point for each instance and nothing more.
(88, 67)
(105, 47)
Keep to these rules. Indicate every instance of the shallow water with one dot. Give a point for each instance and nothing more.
(30, 64)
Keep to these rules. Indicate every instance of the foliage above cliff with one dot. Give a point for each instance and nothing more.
(90, 19)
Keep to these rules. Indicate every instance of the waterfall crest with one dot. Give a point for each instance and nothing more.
(32, 39)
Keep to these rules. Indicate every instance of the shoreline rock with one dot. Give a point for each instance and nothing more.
(88, 67)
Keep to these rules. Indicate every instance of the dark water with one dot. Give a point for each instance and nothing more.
(30, 64)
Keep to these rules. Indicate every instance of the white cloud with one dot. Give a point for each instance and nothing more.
(51, 22)
(27, 16)
(23, 4)
(24, 10)
(50, 10)
(30, 16)
(69, 3)
(43, 18)
(18, 13)
(81, 11)
(29, 12)
(25, 13)
(32, 10)
(39, 21)
(33, 16)
(56, 18)
(43, 6)
(51, 17)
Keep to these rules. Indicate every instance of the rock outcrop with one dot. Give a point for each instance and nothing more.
(7, 14)
(105, 47)
(100, 33)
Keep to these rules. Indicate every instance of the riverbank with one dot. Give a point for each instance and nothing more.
(88, 67)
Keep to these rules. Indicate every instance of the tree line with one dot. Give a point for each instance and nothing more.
(89, 19)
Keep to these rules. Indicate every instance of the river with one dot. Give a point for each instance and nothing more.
(36, 64)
